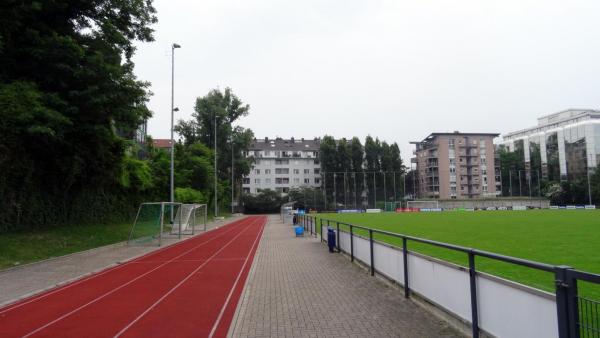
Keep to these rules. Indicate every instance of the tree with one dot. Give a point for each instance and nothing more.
(224, 108)
(266, 201)
(68, 99)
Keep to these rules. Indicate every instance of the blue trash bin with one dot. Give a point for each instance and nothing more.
(330, 239)
(299, 231)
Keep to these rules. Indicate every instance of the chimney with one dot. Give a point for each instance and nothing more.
(303, 139)
(292, 139)
(266, 139)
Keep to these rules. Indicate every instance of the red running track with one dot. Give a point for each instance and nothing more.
(188, 289)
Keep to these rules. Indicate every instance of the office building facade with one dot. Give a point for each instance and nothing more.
(563, 146)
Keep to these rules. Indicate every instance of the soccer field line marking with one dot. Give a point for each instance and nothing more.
(218, 321)
(118, 288)
(94, 275)
(183, 281)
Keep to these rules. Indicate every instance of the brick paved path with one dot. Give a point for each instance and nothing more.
(297, 289)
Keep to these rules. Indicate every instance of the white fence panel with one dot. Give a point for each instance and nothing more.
(388, 261)
(510, 311)
(362, 249)
(344, 241)
(444, 285)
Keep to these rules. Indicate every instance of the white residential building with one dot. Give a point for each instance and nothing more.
(281, 164)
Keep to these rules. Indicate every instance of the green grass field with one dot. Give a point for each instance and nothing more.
(559, 237)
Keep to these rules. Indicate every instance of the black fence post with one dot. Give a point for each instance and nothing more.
(321, 230)
(337, 243)
(351, 244)
(371, 248)
(566, 302)
(473, 284)
(405, 259)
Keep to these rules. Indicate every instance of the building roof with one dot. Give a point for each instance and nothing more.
(161, 143)
(551, 121)
(456, 133)
(291, 144)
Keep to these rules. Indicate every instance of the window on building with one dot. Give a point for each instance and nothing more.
(285, 190)
(282, 180)
(307, 181)
(317, 161)
(257, 181)
(282, 170)
(317, 171)
(257, 171)
(284, 161)
(317, 180)
(296, 171)
(267, 171)
(296, 181)
(246, 190)
(451, 143)
(246, 180)
(306, 171)
(267, 180)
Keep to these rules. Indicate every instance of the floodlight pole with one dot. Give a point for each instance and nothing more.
(334, 192)
(173, 110)
(589, 186)
(510, 182)
(354, 187)
(374, 192)
(216, 200)
(232, 177)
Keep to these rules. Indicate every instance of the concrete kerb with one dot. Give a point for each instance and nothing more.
(210, 226)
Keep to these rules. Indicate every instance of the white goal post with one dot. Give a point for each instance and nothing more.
(423, 204)
(188, 217)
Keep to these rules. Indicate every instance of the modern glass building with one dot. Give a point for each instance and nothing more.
(563, 146)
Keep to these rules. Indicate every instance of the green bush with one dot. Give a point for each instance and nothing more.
(189, 195)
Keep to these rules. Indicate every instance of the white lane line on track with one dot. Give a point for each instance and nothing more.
(87, 278)
(214, 328)
(183, 281)
(122, 286)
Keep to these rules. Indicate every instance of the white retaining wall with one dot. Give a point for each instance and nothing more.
(506, 309)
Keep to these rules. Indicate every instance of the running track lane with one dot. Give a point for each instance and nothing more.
(189, 289)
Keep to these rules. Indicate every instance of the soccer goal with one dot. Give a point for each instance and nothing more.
(189, 219)
(152, 222)
(423, 204)
(392, 206)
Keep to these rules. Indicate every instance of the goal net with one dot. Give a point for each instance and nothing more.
(423, 204)
(392, 206)
(189, 219)
(152, 221)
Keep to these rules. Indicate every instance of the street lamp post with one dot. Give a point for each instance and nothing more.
(173, 110)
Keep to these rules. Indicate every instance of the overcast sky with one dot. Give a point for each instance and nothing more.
(397, 69)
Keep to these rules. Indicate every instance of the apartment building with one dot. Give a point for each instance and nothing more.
(563, 145)
(281, 164)
(456, 165)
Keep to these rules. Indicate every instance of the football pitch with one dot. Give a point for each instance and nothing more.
(559, 237)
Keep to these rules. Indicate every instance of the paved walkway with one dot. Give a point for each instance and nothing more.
(23, 281)
(297, 289)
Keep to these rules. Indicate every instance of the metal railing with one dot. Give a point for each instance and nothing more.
(577, 316)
